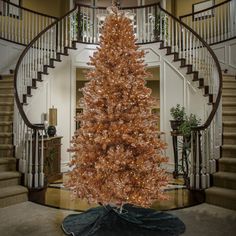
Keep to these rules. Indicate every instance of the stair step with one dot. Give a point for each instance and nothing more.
(221, 197)
(229, 106)
(229, 150)
(229, 115)
(227, 164)
(229, 126)
(6, 106)
(6, 116)
(9, 178)
(13, 195)
(6, 138)
(5, 126)
(7, 164)
(6, 150)
(6, 77)
(7, 97)
(224, 179)
(229, 89)
(6, 89)
(229, 83)
(229, 138)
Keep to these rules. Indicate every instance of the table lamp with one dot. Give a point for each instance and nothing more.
(52, 122)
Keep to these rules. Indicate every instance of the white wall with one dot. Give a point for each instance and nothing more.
(9, 54)
(226, 54)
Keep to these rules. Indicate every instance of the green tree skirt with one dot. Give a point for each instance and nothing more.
(133, 221)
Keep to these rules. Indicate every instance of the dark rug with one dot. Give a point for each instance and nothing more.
(133, 221)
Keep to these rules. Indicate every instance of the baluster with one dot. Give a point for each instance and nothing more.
(30, 175)
(222, 22)
(225, 22)
(198, 154)
(26, 158)
(41, 175)
(228, 20)
(180, 41)
(160, 20)
(36, 165)
(23, 149)
(203, 166)
(193, 157)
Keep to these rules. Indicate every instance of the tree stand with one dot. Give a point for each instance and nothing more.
(132, 221)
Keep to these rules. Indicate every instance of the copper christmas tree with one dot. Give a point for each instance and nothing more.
(117, 152)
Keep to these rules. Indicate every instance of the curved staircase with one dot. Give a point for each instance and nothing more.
(175, 39)
(11, 191)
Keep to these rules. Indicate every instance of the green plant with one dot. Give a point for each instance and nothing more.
(161, 26)
(189, 122)
(178, 112)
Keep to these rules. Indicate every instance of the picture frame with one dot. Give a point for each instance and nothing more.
(10, 10)
(201, 6)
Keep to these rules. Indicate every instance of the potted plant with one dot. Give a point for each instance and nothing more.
(189, 122)
(178, 114)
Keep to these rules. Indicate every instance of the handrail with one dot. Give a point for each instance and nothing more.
(20, 107)
(215, 24)
(29, 10)
(206, 9)
(218, 98)
(20, 25)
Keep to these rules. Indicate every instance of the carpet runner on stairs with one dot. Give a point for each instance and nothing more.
(11, 192)
(223, 192)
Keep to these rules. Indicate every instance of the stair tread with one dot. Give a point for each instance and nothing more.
(5, 122)
(5, 134)
(6, 112)
(227, 160)
(224, 192)
(7, 95)
(229, 103)
(229, 112)
(6, 103)
(9, 175)
(227, 134)
(12, 190)
(225, 175)
(228, 95)
(229, 146)
(5, 160)
(6, 146)
(229, 123)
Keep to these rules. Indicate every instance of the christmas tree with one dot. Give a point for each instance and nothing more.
(117, 153)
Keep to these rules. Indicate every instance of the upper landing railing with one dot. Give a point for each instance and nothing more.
(214, 24)
(20, 25)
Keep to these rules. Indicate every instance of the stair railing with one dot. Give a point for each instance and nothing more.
(20, 25)
(152, 24)
(214, 24)
(39, 55)
(201, 62)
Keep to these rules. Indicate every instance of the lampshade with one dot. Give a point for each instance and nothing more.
(53, 116)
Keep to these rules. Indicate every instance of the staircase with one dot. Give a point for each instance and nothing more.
(10, 190)
(223, 192)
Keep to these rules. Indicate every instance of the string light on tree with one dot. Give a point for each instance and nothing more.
(117, 153)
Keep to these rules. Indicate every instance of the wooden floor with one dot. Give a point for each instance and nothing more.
(179, 197)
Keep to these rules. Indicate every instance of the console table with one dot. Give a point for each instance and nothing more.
(180, 143)
(52, 158)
